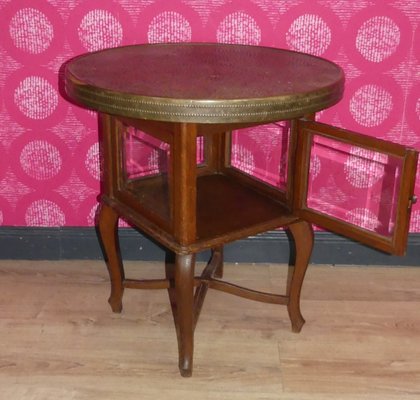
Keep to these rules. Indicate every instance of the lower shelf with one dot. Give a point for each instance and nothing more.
(225, 206)
(226, 210)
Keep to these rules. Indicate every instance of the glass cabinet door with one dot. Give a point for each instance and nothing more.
(354, 185)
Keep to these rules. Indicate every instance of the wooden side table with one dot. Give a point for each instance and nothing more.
(177, 93)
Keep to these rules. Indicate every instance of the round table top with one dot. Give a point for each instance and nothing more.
(203, 82)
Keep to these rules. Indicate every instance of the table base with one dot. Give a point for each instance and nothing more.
(187, 291)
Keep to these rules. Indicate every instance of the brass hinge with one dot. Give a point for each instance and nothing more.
(412, 200)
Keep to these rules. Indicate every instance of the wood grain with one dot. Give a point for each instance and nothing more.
(60, 340)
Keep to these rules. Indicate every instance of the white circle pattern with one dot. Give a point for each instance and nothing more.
(169, 26)
(415, 222)
(100, 29)
(378, 38)
(371, 105)
(363, 218)
(36, 98)
(314, 166)
(153, 162)
(363, 168)
(92, 161)
(239, 28)
(309, 33)
(243, 159)
(91, 218)
(44, 213)
(40, 160)
(31, 31)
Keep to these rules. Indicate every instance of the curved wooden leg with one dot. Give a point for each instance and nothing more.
(303, 237)
(108, 230)
(218, 272)
(213, 268)
(184, 290)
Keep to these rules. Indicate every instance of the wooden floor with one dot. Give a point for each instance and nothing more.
(60, 340)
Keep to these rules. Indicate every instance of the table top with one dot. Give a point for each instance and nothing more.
(203, 82)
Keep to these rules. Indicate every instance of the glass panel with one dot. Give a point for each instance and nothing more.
(147, 165)
(200, 150)
(147, 179)
(262, 152)
(144, 154)
(354, 184)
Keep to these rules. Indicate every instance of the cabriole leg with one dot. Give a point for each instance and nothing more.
(218, 272)
(108, 230)
(303, 237)
(184, 292)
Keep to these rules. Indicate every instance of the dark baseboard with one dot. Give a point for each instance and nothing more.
(273, 247)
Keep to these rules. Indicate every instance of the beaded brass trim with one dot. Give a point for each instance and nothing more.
(203, 111)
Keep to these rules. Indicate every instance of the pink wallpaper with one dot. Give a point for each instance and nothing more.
(49, 165)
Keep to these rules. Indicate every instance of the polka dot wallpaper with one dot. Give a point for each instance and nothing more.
(49, 164)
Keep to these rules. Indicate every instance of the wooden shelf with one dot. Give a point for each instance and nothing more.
(224, 206)
(226, 209)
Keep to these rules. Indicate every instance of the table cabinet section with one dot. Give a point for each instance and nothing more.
(194, 200)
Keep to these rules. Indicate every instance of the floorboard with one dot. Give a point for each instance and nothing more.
(60, 340)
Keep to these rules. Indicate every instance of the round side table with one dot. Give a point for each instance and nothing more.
(177, 94)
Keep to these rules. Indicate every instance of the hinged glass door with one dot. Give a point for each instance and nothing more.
(354, 185)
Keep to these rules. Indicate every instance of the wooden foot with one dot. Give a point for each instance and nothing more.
(108, 230)
(303, 237)
(184, 292)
